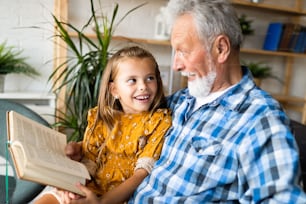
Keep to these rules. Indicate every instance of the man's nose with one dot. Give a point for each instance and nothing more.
(177, 64)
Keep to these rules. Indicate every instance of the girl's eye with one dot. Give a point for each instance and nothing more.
(151, 78)
(131, 81)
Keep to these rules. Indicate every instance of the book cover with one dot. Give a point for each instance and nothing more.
(288, 31)
(273, 36)
(293, 43)
(299, 45)
(303, 46)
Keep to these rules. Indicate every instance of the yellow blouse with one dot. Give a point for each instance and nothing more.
(135, 142)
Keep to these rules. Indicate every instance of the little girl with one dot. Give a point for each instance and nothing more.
(124, 135)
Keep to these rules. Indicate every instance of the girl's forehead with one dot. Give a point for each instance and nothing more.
(135, 62)
(134, 66)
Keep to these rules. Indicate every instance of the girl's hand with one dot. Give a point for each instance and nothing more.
(90, 197)
(73, 150)
(67, 197)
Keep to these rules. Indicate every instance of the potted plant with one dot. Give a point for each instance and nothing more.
(260, 71)
(246, 25)
(12, 62)
(80, 75)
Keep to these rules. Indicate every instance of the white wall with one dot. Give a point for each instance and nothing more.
(16, 19)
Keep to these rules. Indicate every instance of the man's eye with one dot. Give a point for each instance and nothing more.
(181, 53)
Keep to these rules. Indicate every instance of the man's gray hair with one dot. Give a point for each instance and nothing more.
(212, 18)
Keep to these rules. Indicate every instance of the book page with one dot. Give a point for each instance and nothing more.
(32, 155)
(62, 181)
(65, 175)
(31, 132)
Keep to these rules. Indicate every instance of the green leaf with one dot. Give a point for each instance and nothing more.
(12, 62)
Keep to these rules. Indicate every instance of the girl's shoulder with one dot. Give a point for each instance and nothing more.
(91, 115)
(92, 111)
(163, 111)
(161, 118)
(161, 114)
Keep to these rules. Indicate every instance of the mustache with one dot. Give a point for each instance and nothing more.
(187, 74)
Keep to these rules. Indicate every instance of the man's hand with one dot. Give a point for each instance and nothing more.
(73, 150)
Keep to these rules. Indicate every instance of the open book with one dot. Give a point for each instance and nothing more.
(38, 154)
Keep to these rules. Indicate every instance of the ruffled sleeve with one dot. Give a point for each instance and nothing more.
(154, 132)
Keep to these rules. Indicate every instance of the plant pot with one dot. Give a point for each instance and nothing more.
(2, 80)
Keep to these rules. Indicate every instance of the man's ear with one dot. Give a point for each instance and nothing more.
(222, 47)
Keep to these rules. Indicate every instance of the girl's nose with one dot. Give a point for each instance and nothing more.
(142, 86)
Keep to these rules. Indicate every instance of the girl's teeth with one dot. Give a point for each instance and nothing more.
(142, 97)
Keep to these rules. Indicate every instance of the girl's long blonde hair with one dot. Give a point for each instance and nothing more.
(107, 104)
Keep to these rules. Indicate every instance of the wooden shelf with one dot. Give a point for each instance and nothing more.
(30, 97)
(273, 53)
(274, 8)
(129, 39)
(293, 103)
(27, 95)
(41, 103)
(167, 43)
(290, 99)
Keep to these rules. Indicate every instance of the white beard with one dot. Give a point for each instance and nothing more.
(201, 86)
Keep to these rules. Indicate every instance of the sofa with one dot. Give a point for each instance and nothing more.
(299, 131)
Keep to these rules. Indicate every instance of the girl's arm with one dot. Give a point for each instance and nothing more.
(118, 195)
(125, 190)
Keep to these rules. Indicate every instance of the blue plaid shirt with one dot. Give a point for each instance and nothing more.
(237, 148)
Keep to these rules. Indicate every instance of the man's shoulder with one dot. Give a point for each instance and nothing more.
(259, 97)
(180, 94)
